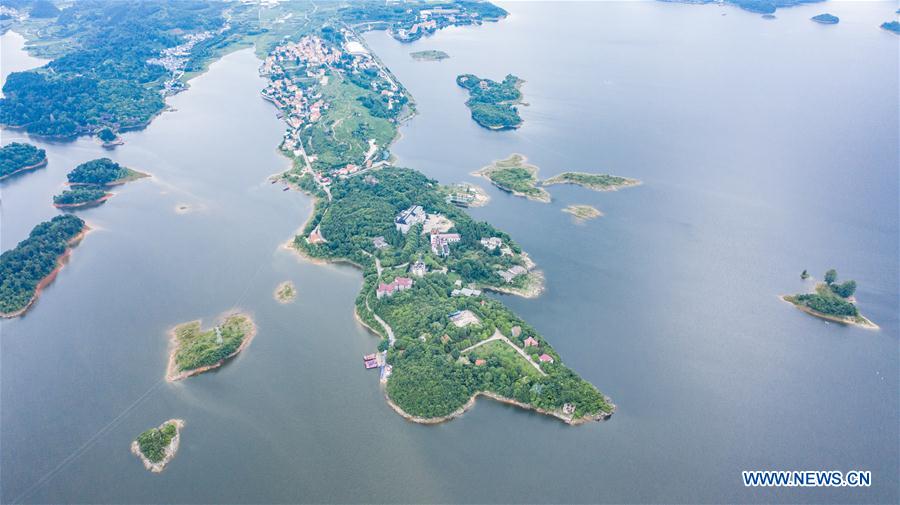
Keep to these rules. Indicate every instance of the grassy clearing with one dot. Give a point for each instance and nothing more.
(509, 359)
(597, 182)
(199, 348)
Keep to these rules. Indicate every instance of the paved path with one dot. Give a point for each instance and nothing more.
(499, 336)
(387, 327)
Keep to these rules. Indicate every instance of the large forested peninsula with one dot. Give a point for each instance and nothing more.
(492, 103)
(19, 157)
(441, 321)
(425, 262)
(33, 263)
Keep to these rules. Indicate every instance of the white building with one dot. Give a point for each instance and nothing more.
(406, 219)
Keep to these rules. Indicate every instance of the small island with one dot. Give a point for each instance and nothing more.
(108, 138)
(88, 183)
(430, 55)
(514, 175)
(35, 261)
(583, 212)
(19, 157)
(195, 350)
(80, 196)
(831, 301)
(596, 182)
(285, 292)
(891, 26)
(102, 172)
(157, 446)
(492, 103)
(826, 19)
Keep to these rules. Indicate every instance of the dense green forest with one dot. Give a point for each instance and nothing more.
(103, 77)
(18, 156)
(154, 441)
(492, 103)
(830, 297)
(22, 268)
(79, 195)
(198, 348)
(101, 171)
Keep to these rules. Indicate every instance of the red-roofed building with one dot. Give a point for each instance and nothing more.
(384, 290)
(480, 362)
(531, 342)
(399, 284)
(546, 358)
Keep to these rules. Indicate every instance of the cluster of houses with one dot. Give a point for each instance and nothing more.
(398, 284)
(292, 65)
(174, 59)
(298, 108)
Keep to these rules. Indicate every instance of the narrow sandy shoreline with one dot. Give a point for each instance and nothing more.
(172, 372)
(866, 323)
(25, 169)
(81, 205)
(43, 283)
(170, 450)
(602, 416)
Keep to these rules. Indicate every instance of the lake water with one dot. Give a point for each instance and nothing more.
(766, 147)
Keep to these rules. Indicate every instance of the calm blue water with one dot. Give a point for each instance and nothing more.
(766, 147)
